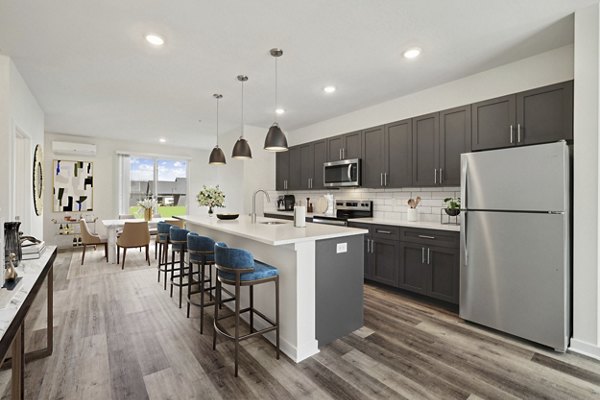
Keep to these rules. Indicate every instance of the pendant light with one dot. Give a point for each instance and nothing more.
(217, 157)
(275, 140)
(241, 149)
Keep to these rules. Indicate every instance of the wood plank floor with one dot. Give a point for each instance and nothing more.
(118, 335)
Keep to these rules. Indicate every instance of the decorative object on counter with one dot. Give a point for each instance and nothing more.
(446, 219)
(12, 241)
(38, 180)
(73, 186)
(300, 217)
(452, 206)
(321, 205)
(211, 196)
(241, 149)
(228, 216)
(2, 244)
(10, 273)
(412, 214)
(147, 206)
(276, 140)
(217, 157)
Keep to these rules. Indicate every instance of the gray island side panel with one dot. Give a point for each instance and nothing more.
(339, 288)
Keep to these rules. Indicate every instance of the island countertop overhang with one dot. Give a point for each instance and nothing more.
(275, 235)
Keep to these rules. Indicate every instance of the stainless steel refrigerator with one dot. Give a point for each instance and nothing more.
(515, 242)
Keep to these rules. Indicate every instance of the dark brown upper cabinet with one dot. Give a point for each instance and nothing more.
(282, 170)
(374, 159)
(535, 116)
(307, 165)
(454, 139)
(387, 155)
(295, 181)
(426, 130)
(345, 146)
(545, 114)
(320, 158)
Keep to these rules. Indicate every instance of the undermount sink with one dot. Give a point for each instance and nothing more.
(273, 223)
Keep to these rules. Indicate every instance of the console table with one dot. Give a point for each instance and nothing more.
(14, 306)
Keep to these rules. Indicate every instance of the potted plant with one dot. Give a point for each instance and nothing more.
(452, 206)
(211, 196)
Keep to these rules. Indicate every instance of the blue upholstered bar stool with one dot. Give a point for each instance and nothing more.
(239, 268)
(201, 252)
(178, 240)
(162, 239)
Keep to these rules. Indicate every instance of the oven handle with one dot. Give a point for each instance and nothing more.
(337, 222)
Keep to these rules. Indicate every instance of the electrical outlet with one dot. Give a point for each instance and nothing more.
(342, 248)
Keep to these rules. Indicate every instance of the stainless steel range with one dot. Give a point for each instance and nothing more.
(345, 210)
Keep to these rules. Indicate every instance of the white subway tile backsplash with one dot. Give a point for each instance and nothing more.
(387, 203)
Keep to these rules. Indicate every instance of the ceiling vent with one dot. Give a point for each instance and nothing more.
(78, 149)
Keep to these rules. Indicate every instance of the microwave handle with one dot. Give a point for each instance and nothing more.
(349, 172)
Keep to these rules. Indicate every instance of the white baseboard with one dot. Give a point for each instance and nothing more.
(585, 348)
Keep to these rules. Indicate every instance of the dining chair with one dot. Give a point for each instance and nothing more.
(135, 234)
(91, 239)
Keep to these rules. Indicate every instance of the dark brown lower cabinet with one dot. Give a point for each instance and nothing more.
(418, 260)
(383, 261)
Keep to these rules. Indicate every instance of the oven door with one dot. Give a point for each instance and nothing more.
(329, 221)
(342, 173)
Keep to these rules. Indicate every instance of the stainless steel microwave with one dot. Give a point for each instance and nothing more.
(342, 173)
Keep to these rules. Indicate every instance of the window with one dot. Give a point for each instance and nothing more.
(164, 180)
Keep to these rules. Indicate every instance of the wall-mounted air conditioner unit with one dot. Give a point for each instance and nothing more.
(78, 149)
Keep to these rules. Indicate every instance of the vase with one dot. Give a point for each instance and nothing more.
(453, 212)
(210, 211)
(412, 215)
(12, 242)
(148, 214)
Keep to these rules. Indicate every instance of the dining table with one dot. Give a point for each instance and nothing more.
(113, 225)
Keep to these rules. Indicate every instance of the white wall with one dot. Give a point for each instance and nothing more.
(539, 70)
(239, 179)
(586, 302)
(106, 170)
(20, 110)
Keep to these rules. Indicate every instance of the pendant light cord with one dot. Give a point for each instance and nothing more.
(217, 122)
(242, 108)
(276, 103)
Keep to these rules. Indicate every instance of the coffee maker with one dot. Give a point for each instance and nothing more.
(286, 202)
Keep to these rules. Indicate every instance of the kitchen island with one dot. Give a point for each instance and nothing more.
(321, 276)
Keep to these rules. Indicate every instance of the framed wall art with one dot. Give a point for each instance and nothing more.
(73, 186)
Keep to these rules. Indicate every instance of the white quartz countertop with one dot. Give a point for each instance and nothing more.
(291, 213)
(398, 222)
(274, 235)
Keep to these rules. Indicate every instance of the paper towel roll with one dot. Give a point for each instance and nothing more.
(300, 216)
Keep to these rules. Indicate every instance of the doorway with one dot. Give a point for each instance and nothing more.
(22, 185)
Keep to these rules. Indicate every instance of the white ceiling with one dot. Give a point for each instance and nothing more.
(93, 73)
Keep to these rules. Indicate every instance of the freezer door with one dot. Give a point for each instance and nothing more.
(514, 274)
(528, 178)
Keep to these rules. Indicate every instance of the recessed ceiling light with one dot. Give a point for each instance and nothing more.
(329, 89)
(280, 111)
(413, 52)
(162, 140)
(154, 39)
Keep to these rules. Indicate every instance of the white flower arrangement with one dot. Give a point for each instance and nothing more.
(147, 204)
(211, 196)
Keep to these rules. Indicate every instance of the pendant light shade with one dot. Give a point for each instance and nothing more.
(241, 149)
(276, 140)
(217, 157)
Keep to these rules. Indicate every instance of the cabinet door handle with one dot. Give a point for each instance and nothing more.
(435, 176)
(422, 255)
(426, 237)
(372, 246)
(518, 133)
(428, 255)
(384, 232)
(343, 153)
(511, 133)
(385, 179)
(441, 175)
(381, 178)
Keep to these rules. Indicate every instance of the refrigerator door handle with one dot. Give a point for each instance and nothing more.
(463, 196)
